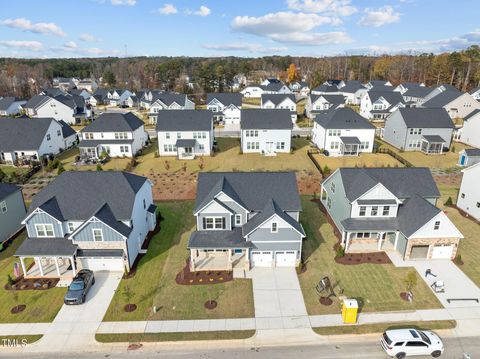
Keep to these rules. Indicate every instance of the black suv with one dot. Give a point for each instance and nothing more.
(78, 289)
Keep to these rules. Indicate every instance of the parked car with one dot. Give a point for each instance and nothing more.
(400, 343)
(78, 289)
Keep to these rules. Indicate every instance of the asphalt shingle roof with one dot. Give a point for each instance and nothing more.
(335, 99)
(114, 122)
(22, 134)
(277, 98)
(226, 98)
(266, 119)
(471, 114)
(6, 189)
(417, 117)
(418, 91)
(46, 247)
(6, 102)
(36, 101)
(184, 120)
(392, 97)
(342, 118)
(218, 239)
(442, 99)
(471, 152)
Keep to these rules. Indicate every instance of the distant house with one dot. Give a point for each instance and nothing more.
(405, 86)
(280, 101)
(277, 87)
(475, 93)
(80, 92)
(378, 83)
(54, 92)
(266, 131)
(389, 209)
(470, 133)
(118, 97)
(70, 109)
(300, 88)
(117, 134)
(318, 103)
(87, 84)
(65, 83)
(25, 139)
(469, 194)
(378, 105)
(10, 106)
(353, 92)
(12, 211)
(273, 87)
(99, 97)
(416, 95)
(458, 104)
(95, 220)
(226, 107)
(419, 129)
(185, 133)
(168, 101)
(469, 157)
(254, 91)
(343, 132)
(271, 80)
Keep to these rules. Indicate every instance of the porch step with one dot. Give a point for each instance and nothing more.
(239, 273)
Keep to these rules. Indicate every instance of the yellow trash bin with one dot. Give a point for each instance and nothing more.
(349, 311)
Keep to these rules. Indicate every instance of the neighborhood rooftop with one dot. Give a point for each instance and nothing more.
(114, 122)
(266, 119)
(226, 98)
(6, 189)
(342, 118)
(426, 118)
(22, 133)
(184, 120)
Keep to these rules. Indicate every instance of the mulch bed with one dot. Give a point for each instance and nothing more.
(361, 258)
(325, 301)
(134, 346)
(210, 304)
(129, 307)
(18, 309)
(404, 296)
(186, 277)
(32, 284)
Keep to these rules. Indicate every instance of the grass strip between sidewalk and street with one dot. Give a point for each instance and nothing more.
(173, 337)
(381, 327)
(19, 339)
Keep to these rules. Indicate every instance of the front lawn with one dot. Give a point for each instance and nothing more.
(68, 159)
(42, 305)
(173, 337)
(154, 283)
(469, 247)
(377, 286)
(363, 160)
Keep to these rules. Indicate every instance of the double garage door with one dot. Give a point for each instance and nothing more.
(113, 264)
(438, 252)
(268, 258)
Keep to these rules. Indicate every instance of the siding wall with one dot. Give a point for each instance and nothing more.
(10, 221)
(43, 218)
(86, 233)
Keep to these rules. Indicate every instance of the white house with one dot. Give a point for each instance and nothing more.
(471, 129)
(343, 132)
(10, 106)
(70, 108)
(378, 83)
(255, 91)
(266, 131)
(468, 157)
(226, 107)
(118, 97)
(166, 101)
(300, 88)
(317, 103)
(185, 133)
(405, 86)
(378, 105)
(475, 93)
(280, 101)
(117, 134)
(25, 139)
(458, 104)
(273, 87)
(87, 84)
(469, 193)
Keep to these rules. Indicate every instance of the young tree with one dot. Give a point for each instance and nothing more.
(109, 78)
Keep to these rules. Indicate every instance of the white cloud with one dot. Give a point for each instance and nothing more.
(379, 17)
(123, 2)
(22, 45)
(312, 38)
(38, 28)
(168, 9)
(203, 11)
(445, 45)
(88, 37)
(71, 45)
(332, 7)
(248, 47)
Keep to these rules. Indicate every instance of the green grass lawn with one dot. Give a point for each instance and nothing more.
(363, 160)
(68, 159)
(173, 337)
(251, 101)
(154, 283)
(469, 247)
(377, 286)
(229, 159)
(42, 305)
(8, 170)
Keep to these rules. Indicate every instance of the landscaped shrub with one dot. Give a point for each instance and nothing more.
(99, 167)
(339, 252)
(60, 169)
(449, 202)
(326, 170)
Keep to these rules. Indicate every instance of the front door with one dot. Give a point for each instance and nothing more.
(269, 147)
(188, 150)
(462, 160)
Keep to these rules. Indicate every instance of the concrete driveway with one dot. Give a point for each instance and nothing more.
(458, 286)
(75, 325)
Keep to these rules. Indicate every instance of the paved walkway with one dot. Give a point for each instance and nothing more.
(457, 283)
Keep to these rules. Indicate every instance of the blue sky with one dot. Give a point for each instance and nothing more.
(92, 28)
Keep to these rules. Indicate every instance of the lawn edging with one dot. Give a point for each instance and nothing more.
(174, 337)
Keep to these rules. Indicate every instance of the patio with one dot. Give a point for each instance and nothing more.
(349, 146)
(50, 268)
(432, 145)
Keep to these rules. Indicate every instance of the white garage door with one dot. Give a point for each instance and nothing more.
(285, 259)
(262, 259)
(442, 252)
(97, 264)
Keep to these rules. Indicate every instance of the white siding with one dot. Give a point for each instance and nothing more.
(470, 202)
(265, 137)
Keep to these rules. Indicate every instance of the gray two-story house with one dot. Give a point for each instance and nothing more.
(93, 220)
(389, 209)
(246, 220)
(428, 130)
(12, 211)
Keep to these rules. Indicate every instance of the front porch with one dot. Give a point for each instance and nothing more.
(222, 259)
(49, 267)
(364, 242)
(432, 145)
(349, 146)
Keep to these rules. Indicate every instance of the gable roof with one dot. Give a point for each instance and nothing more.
(334, 99)
(6, 102)
(342, 118)
(105, 215)
(277, 98)
(6, 189)
(471, 114)
(23, 133)
(184, 120)
(392, 97)
(252, 189)
(67, 131)
(443, 99)
(419, 117)
(414, 213)
(418, 91)
(226, 98)
(275, 86)
(169, 98)
(326, 88)
(472, 91)
(472, 152)
(80, 194)
(36, 101)
(404, 182)
(113, 122)
(266, 119)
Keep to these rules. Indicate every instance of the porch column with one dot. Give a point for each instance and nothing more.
(343, 238)
(56, 265)
(22, 263)
(73, 266)
(40, 267)
(380, 240)
(229, 255)
(396, 241)
(347, 241)
(192, 261)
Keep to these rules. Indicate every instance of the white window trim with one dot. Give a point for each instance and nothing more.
(214, 226)
(276, 227)
(3, 207)
(238, 219)
(101, 234)
(44, 225)
(71, 227)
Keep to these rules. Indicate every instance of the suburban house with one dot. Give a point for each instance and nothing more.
(280, 101)
(185, 133)
(419, 129)
(10, 106)
(378, 105)
(469, 195)
(475, 93)
(458, 104)
(266, 131)
(226, 107)
(389, 209)
(87, 84)
(469, 157)
(25, 139)
(300, 88)
(405, 86)
(415, 96)
(272, 87)
(434, 91)
(87, 219)
(80, 92)
(316, 103)
(470, 133)
(68, 108)
(378, 83)
(99, 97)
(254, 91)
(245, 220)
(115, 134)
(65, 83)
(167, 101)
(325, 89)
(12, 211)
(343, 132)
(270, 80)
(352, 92)
(118, 97)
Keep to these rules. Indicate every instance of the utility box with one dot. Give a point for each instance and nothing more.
(349, 311)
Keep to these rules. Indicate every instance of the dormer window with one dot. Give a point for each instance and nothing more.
(332, 187)
(44, 230)
(386, 211)
(363, 211)
(274, 228)
(374, 211)
(436, 226)
(97, 235)
(238, 219)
